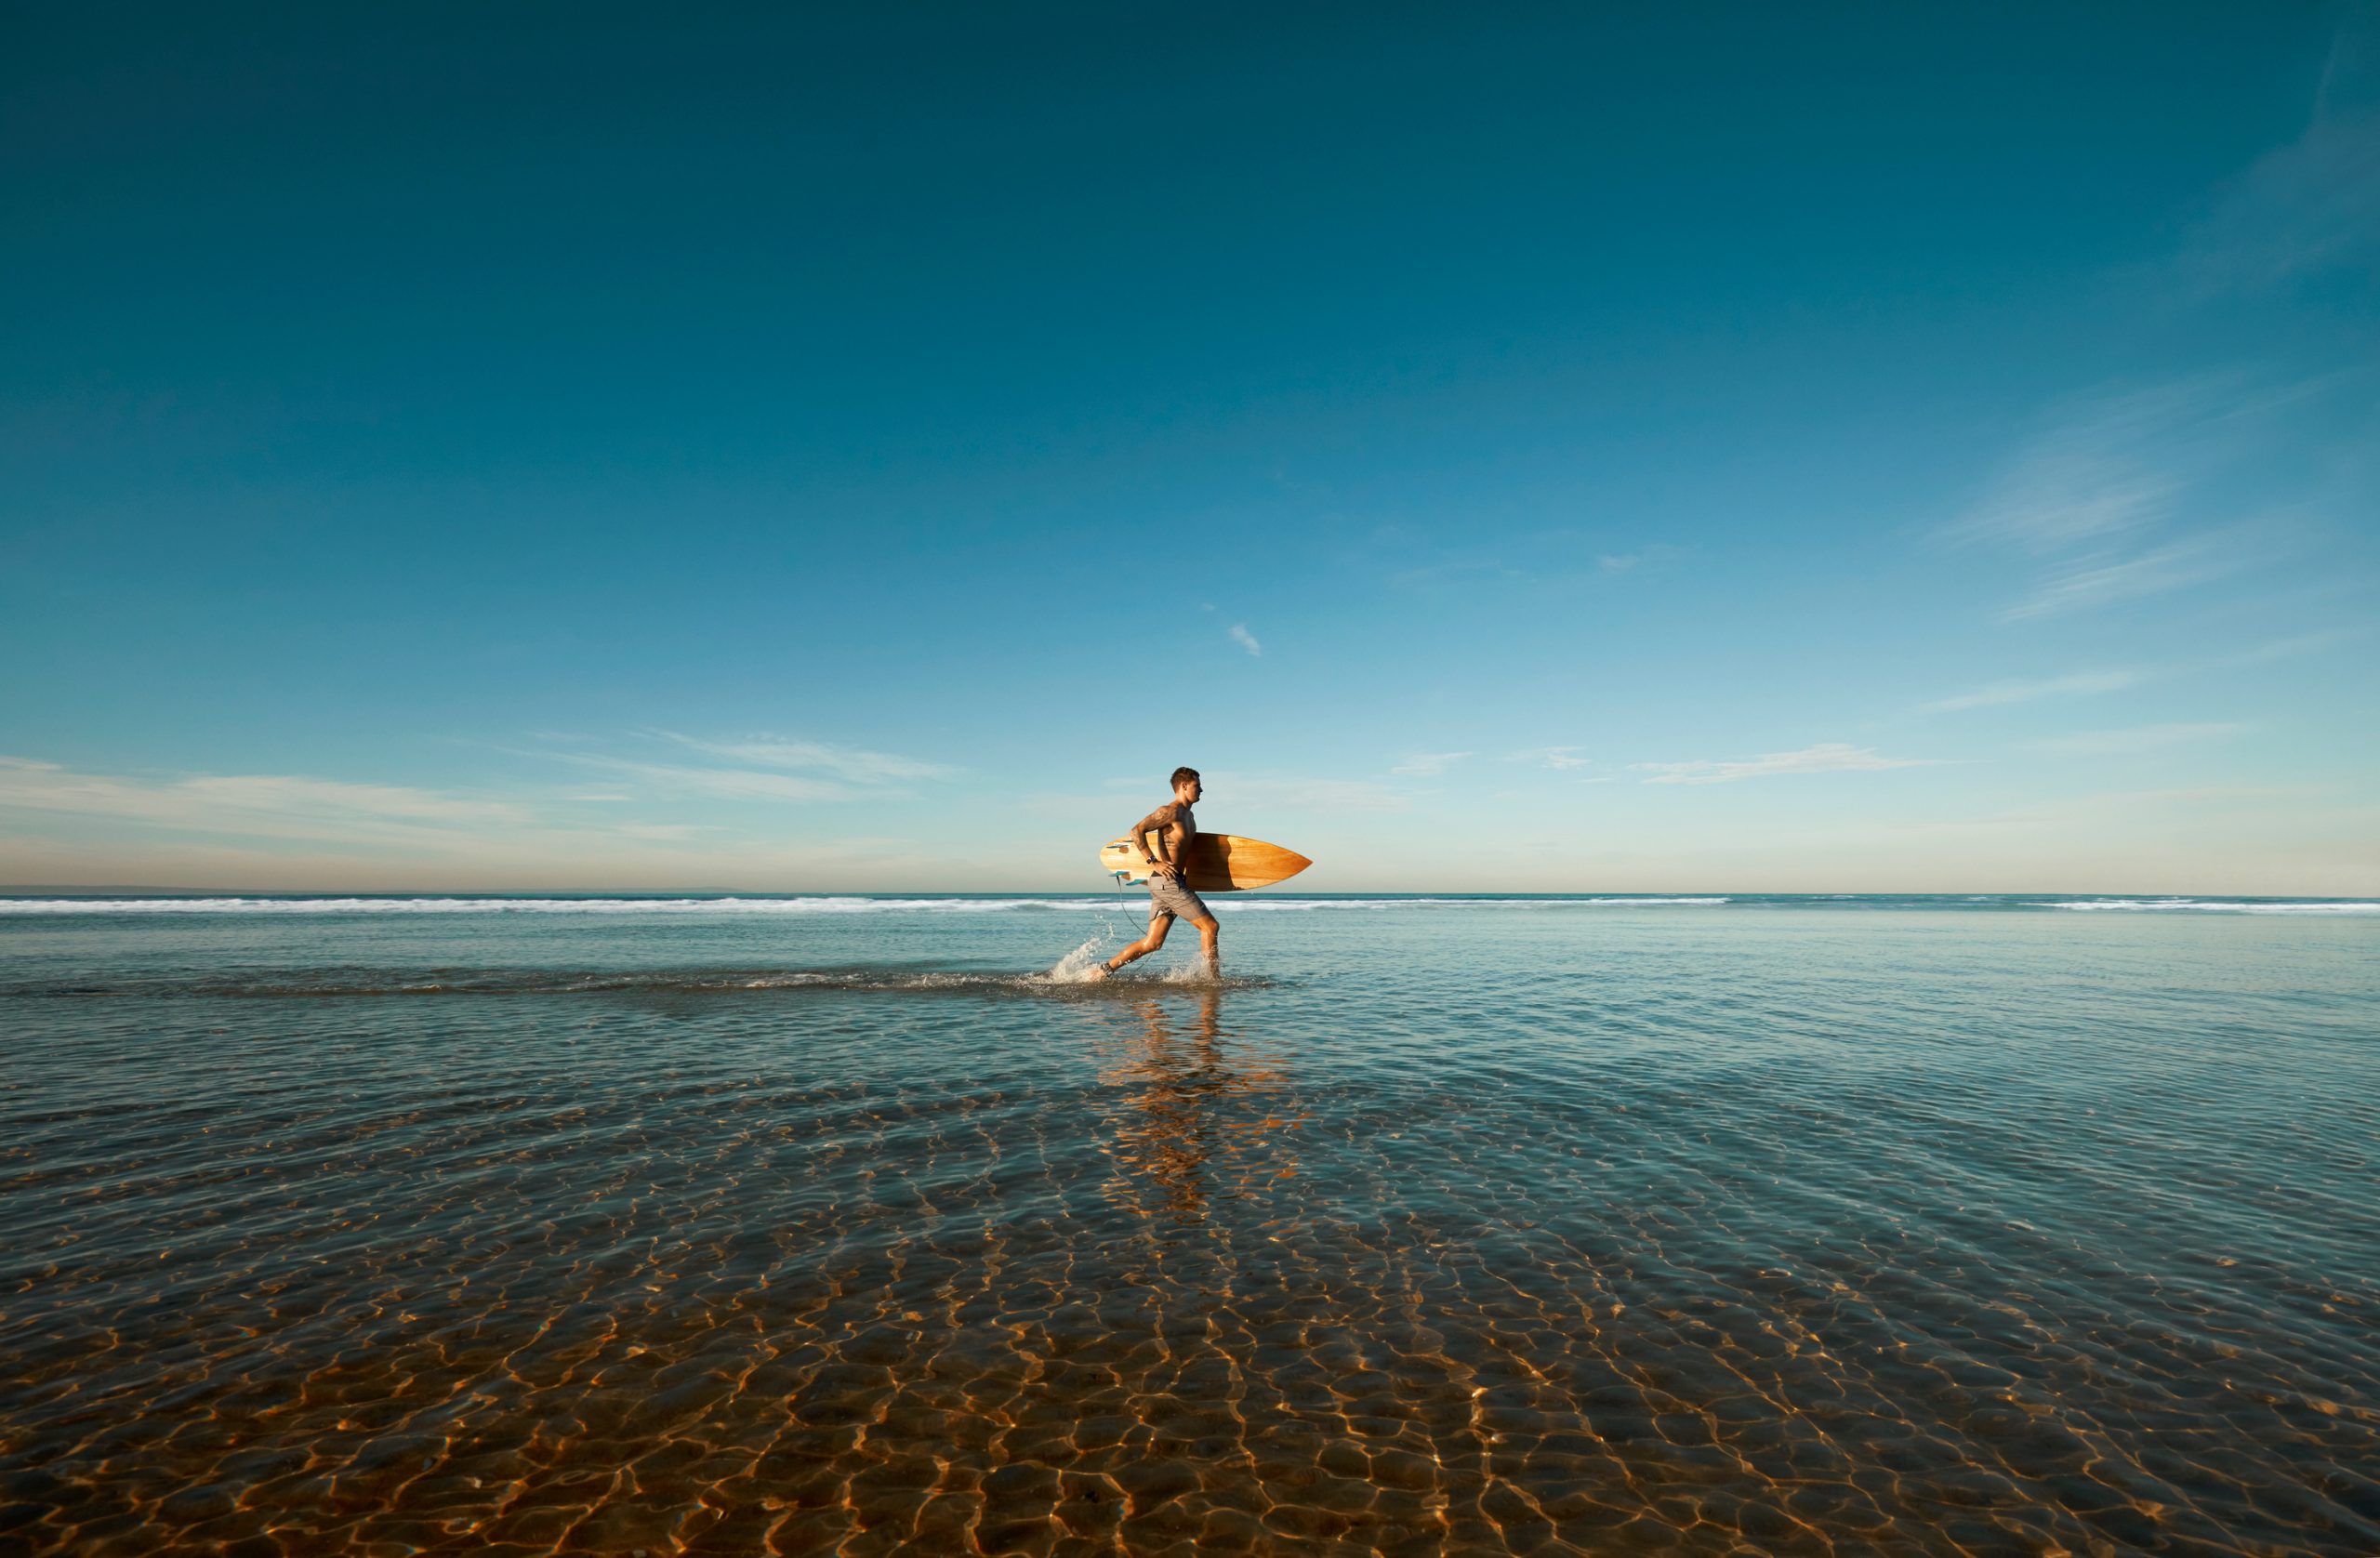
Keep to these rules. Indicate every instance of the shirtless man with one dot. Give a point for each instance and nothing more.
(1170, 896)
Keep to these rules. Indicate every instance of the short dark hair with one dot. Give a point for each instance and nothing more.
(1181, 774)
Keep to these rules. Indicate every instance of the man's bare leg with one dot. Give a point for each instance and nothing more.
(1159, 925)
(1211, 946)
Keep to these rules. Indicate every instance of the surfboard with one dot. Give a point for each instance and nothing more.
(1217, 863)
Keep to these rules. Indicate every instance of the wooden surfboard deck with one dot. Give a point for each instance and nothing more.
(1217, 863)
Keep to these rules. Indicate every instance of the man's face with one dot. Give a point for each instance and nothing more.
(1189, 790)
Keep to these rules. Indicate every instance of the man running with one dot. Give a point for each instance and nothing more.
(1170, 894)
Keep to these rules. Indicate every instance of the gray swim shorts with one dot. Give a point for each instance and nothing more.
(1168, 897)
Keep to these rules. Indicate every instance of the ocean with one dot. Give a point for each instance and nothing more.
(1654, 1224)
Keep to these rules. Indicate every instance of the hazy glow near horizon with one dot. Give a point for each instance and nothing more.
(1585, 453)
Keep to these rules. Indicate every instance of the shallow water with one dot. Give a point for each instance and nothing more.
(1452, 1226)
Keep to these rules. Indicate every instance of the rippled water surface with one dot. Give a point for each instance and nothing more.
(1451, 1227)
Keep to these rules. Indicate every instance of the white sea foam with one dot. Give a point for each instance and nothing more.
(808, 905)
(2212, 905)
(1249, 905)
(1132, 904)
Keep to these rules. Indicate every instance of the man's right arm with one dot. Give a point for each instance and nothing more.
(1160, 821)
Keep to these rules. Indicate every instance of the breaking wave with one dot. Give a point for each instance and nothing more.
(2216, 906)
(737, 905)
(1071, 978)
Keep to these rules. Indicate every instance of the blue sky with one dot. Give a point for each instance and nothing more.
(1899, 448)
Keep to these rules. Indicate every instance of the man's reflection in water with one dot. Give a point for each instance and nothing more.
(1195, 1123)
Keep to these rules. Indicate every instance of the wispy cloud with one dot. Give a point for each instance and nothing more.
(2090, 683)
(1554, 756)
(729, 784)
(764, 768)
(2092, 474)
(1556, 557)
(2310, 207)
(299, 831)
(849, 763)
(2097, 582)
(1828, 757)
(1246, 641)
(1428, 765)
(1622, 563)
(2140, 738)
(260, 805)
(2082, 684)
(2087, 494)
(1436, 567)
(2289, 648)
(2113, 462)
(263, 806)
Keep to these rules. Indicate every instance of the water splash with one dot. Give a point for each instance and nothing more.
(1195, 971)
(1082, 965)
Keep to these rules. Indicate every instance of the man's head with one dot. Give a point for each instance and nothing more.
(1185, 786)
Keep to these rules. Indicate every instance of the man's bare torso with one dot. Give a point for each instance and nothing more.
(1173, 825)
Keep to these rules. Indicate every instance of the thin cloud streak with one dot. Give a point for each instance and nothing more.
(848, 763)
(1246, 639)
(2082, 684)
(2086, 495)
(2091, 683)
(1622, 563)
(733, 783)
(2310, 207)
(2096, 472)
(1556, 557)
(254, 805)
(1826, 757)
(1428, 765)
(2140, 738)
(220, 829)
(2284, 648)
(2094, 583)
